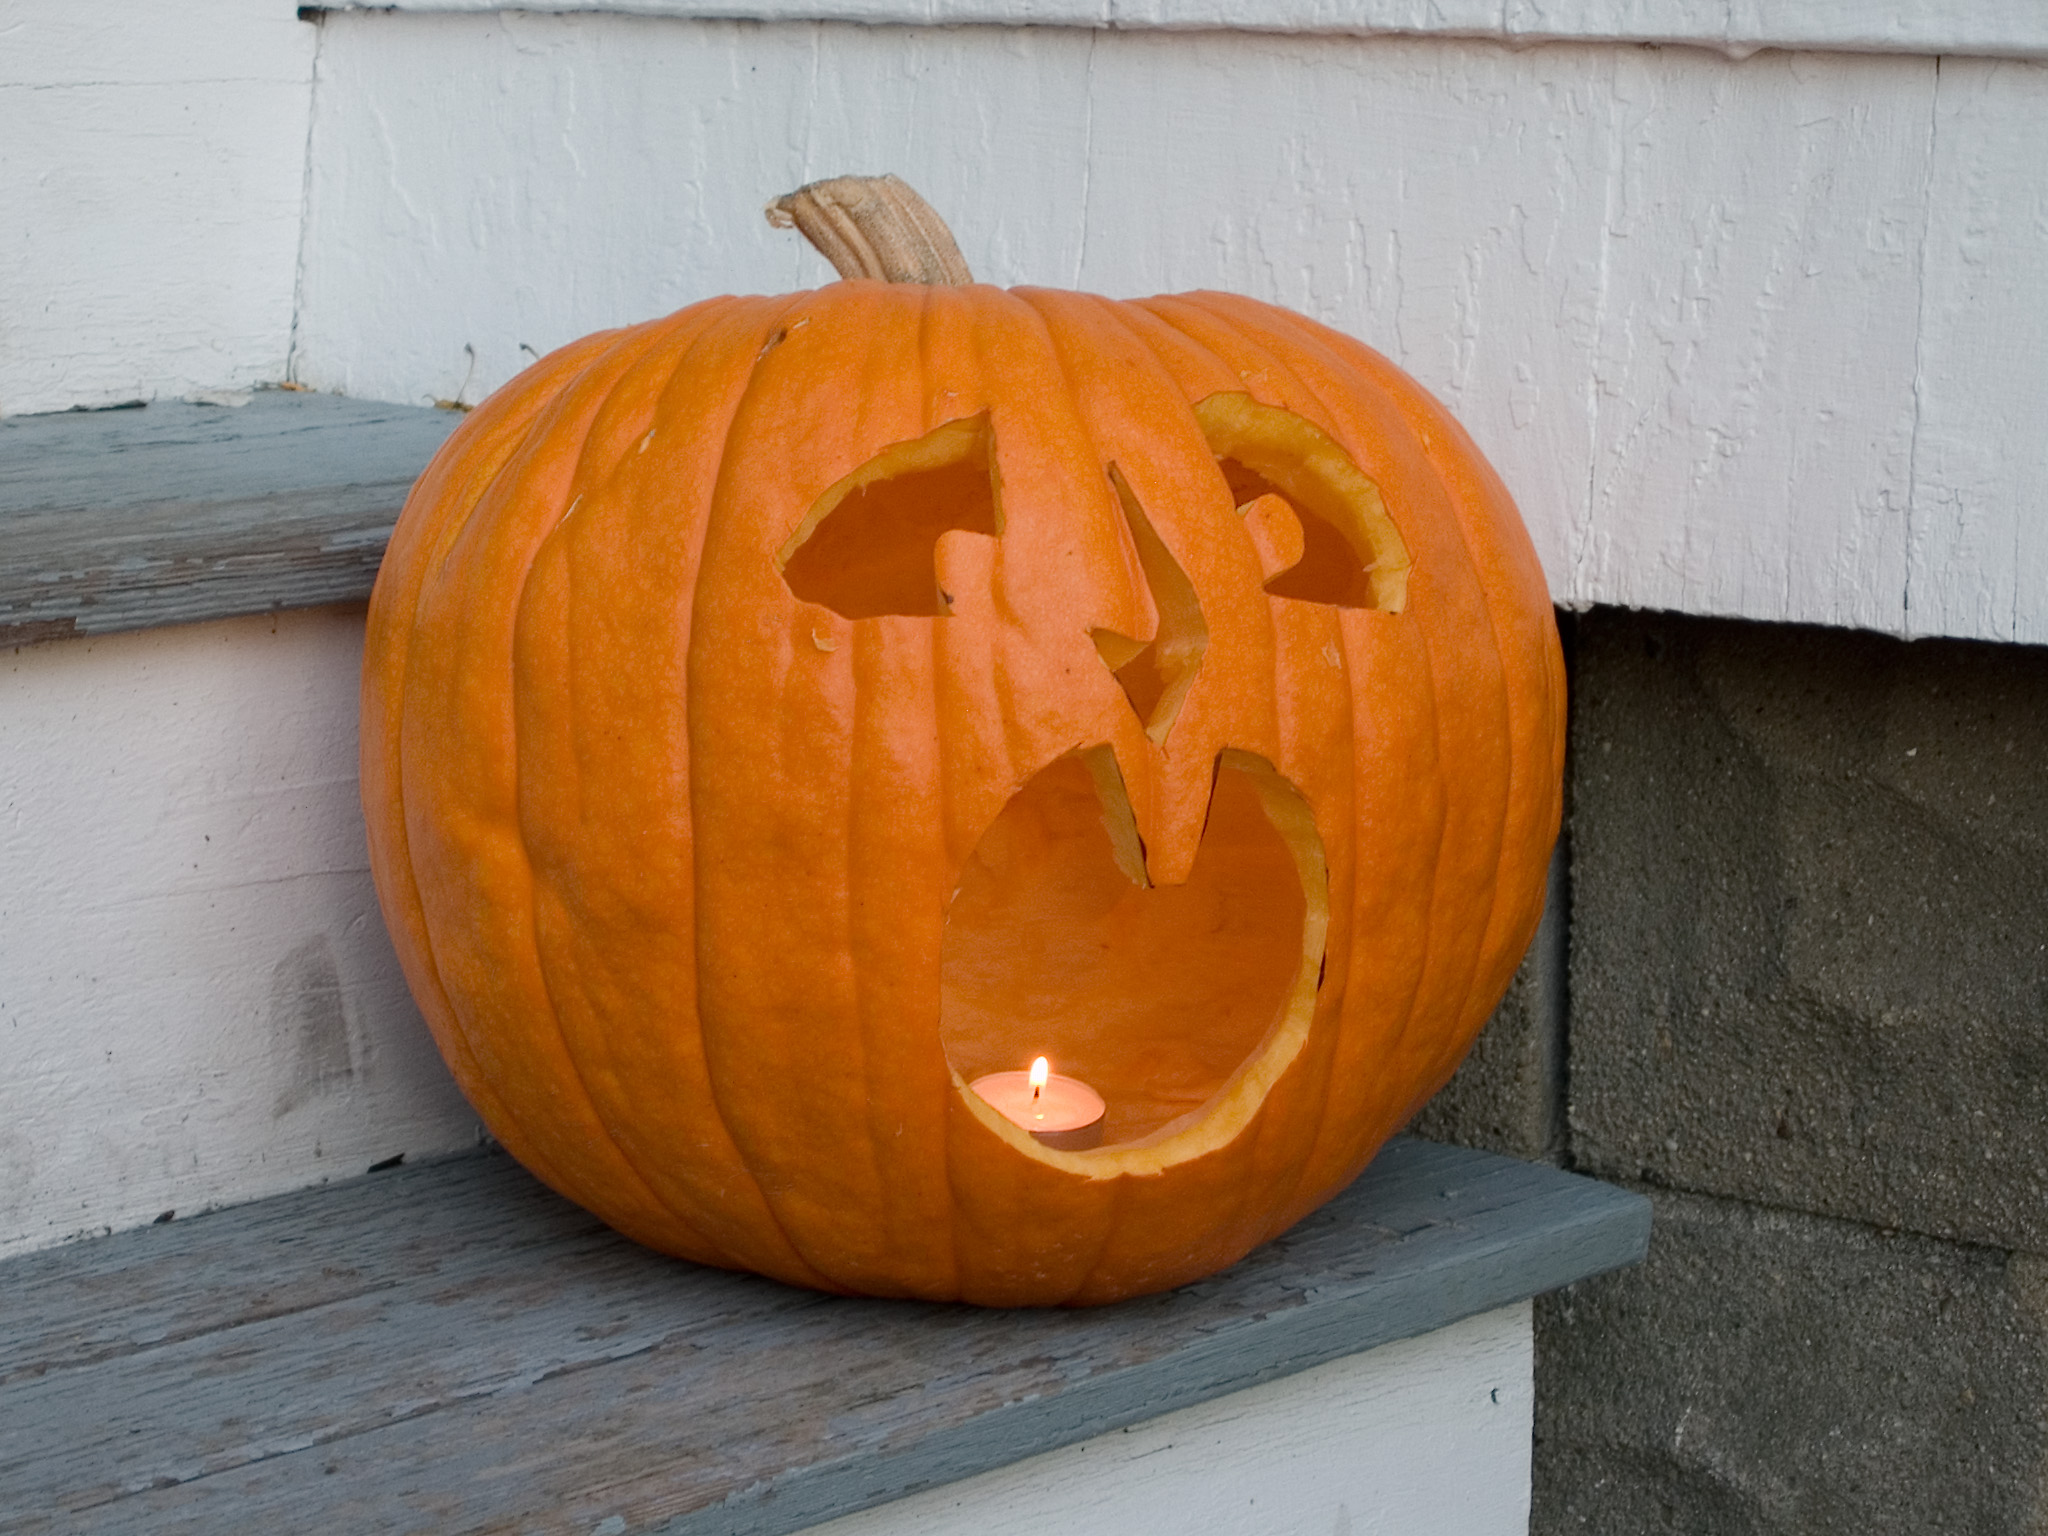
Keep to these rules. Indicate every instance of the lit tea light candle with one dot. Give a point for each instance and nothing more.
(1062, 1112)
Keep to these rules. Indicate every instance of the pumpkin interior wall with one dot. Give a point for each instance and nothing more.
(873, 554)
(1154, 996)
(1328, 570)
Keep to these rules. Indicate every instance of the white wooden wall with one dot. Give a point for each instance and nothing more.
(152, 171)
(197, 998)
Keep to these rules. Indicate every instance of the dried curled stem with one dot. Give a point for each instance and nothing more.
(873, 226)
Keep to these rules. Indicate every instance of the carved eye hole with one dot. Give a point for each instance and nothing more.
(865, 549)
(1317, 518)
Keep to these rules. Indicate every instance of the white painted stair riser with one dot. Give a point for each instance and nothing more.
(1426, 1437)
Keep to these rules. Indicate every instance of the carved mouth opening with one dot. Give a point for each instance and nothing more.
(1180, 1005)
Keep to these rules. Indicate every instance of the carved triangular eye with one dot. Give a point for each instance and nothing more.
(865, 548)
(1280, 465)
(1156, 674)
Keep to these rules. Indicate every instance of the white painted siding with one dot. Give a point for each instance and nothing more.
(1719, 323)
(1978, 524)
(1425, 1437)
(1754, 372)
(1994, 28)
(152, 163)
(197, 997)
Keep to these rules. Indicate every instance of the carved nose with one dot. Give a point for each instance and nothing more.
(1156, 674)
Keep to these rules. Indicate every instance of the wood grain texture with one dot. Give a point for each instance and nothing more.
(122, 520)
(1754, 369)
(450, 1348)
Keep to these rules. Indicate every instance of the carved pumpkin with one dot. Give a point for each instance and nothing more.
(779, 714)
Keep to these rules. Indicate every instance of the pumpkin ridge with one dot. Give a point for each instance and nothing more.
(764, 1225)
(619, 357)
(641, 335)
(1480, 980)
(585, 478)
(1467, 504)
(713, 502)
(1389, 1033)
(1326, 1079)
(1414, 402)
(1112, 1223)
(715, 515)
(382, 632)
(928, 342)
(874, 656)
(1403, 1030)
(1352, 937)
(434, 568)
(772, 331)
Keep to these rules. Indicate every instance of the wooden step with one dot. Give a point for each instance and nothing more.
(452, 1348)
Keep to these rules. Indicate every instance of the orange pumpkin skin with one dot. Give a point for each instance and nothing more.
(668, 851)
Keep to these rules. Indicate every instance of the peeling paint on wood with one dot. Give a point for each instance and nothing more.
(453, 1348)
(123, 520)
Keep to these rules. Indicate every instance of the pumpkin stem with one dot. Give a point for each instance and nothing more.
(873, 226)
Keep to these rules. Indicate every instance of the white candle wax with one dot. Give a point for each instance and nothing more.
(1061, 1112)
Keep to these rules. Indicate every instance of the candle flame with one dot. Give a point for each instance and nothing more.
(1041, 1069)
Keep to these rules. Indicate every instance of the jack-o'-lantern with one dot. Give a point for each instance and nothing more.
(780, 715)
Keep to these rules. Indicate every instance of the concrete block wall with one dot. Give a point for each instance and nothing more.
(1801, 998)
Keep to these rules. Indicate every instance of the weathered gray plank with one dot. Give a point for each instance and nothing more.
(113, 520)
(75, 1305)
(455, 1349)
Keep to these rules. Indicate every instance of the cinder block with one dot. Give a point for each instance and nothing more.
(1766, 1373)
(1508, 1094)
(1810, 921)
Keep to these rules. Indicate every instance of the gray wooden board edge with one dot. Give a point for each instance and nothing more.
(1428, 1235)
(82, 1303)
(173, 513)
(1549, 1243)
